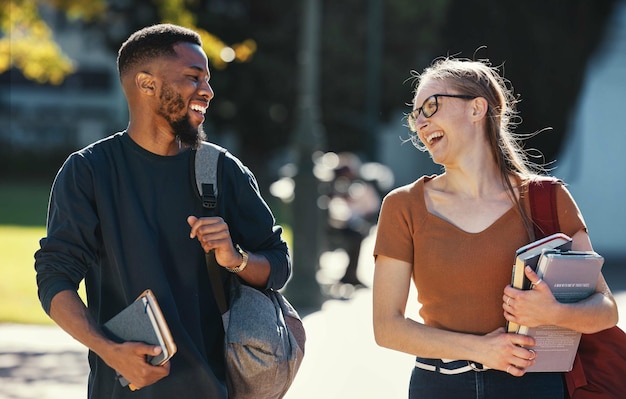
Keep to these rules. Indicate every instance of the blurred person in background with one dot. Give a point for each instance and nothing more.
(353, 208)
(455, 234)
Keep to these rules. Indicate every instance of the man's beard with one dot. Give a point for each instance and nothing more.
(171, 104)
(186, 133)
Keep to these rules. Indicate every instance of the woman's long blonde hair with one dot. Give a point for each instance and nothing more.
(481, 79)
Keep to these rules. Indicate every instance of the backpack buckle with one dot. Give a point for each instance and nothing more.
(209, 200)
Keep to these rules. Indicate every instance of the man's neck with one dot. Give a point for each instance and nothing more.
(156, 141)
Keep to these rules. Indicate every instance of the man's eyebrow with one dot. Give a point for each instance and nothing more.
(199, 69)
(196, 67)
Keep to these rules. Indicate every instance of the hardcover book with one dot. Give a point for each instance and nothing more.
(528, 255)
(142, 321)
(572, 276)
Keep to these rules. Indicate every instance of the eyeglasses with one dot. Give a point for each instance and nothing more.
(430, 106)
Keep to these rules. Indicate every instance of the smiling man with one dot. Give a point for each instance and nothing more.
(125, 216)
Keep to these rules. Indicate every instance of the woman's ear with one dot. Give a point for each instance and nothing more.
(145, 83)
(479, 108)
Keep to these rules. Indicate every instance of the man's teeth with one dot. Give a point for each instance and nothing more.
(434, 136)
(198, 108)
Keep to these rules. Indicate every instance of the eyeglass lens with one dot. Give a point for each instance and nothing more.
(428, 109)
(430, 106)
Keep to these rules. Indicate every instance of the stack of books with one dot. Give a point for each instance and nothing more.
(572, 276)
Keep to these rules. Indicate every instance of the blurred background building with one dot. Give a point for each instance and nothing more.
(593, 159)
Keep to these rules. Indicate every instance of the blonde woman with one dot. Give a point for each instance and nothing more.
(455, 235)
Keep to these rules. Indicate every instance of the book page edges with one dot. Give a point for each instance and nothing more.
(164, 333)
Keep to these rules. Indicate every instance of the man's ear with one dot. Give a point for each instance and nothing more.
(479, 108)
(145, 83)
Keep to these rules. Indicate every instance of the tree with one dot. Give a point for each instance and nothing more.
(27, 43)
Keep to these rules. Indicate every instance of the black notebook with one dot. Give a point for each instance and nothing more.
(142, 321)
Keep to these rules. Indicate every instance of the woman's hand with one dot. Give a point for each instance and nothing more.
(533, 307)
(511, 353)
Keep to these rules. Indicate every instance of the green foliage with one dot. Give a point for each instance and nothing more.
(29, 45)
(78, 9)
(27, 42)
(219, 53)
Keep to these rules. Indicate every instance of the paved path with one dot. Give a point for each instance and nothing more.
(342, 361)
(41, 362)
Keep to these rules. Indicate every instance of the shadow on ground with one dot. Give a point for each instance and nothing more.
(42, 374)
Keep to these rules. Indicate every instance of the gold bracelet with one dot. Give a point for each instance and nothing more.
(243, 264)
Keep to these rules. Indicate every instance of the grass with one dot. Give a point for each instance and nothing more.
(22, 223)
(18, 290)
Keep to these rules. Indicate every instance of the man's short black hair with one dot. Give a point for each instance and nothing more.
(153, 42)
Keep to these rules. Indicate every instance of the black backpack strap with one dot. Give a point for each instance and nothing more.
(217, 284)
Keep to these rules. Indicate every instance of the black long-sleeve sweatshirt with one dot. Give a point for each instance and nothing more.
(117, 218)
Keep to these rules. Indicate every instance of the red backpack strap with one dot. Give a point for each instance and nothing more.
(542, 198)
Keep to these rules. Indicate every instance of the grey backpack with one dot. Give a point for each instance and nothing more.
(264, 336)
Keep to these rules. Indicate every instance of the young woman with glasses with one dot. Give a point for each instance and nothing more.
(455, 234)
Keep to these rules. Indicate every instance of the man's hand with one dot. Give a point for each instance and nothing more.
(213, 234)
(129, 359)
